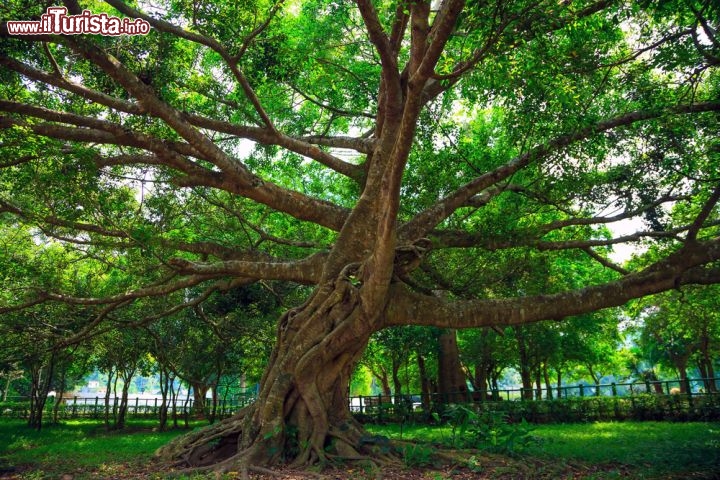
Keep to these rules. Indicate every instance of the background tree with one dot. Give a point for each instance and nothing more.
(385, 133)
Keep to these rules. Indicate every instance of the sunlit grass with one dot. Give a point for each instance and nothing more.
(651, 449)
(80, 446)
(647, 449)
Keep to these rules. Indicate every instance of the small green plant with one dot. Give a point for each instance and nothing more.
(490, 431)
(473, 464)
(417, 455)
(460, 418)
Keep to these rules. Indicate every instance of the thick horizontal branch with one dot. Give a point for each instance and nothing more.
(42, 296)
(683, 267)
(307, 270)
(300, 206)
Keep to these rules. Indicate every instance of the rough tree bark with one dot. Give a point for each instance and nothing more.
(452, 385)
(303, 396)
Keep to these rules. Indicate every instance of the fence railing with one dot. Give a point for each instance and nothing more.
(690, 388)
(95, 407)
(385, 407)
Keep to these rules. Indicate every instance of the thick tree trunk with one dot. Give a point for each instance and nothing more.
(711, 385)
(681, 364)
(199, 403)
(385, 384)
(524, 364)
(451, 379)
(481, 382)
(301, 415)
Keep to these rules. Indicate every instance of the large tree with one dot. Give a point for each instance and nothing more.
(349, 146)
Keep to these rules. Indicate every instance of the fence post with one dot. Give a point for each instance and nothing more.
(582, 390)
(74, 409)
(597, 390)
(614, 389)
(95, 411)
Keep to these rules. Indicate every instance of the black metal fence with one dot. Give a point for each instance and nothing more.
(697, 399)
(667, 399)
(95, 407)
(692, 388)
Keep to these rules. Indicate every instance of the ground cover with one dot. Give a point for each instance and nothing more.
(81, 450)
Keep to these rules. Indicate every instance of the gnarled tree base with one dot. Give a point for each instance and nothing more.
(301, 414)
(219, 447)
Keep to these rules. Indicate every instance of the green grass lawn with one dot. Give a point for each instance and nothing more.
(619, 450)
(76, 447)
(647, 449)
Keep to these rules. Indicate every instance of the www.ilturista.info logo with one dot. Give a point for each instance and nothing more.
(57, 21)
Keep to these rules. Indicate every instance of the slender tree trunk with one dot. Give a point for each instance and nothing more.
(108, 390)
(164, 387)
(712, 386)
(384, 382)
(213, 412)
(173, 402)
(39, 391)
(7, 386)
(186, 413)
(538, 384)
(559, 383)
(122, 411)
(681, 362)
(59, 392)
(548, 385)
(593, 375)
(481, 381)
(199, 399)
(495, 378)
(424, 384)
(397, 384)
(708, 371)
(524, 361)
(35, 378)
(115, 399)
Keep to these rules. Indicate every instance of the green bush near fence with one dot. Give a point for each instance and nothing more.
(641, 407)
